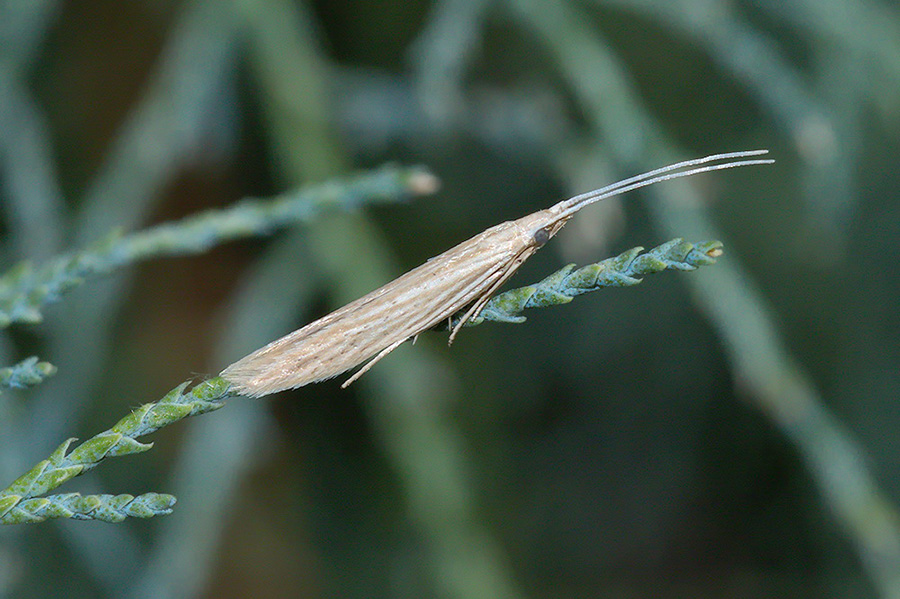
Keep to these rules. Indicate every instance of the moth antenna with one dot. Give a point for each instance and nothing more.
(673, 171)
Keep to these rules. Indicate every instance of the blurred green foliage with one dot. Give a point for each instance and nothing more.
(728, 433)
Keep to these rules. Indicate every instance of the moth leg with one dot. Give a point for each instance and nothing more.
(510, 269)
(472, 312)
(372, 362)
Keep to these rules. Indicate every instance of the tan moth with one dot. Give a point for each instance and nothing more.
(466, 275)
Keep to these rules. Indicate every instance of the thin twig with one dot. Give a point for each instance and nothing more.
(24, 290)
(21, 501)
(121, 439)
(27, 373)
(75, 506)
(623, 270)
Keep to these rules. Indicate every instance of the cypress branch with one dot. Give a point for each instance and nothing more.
(25, 290)
(75, 506)
(623, 270)
(21, 501)
(27, 373)
(121, 439)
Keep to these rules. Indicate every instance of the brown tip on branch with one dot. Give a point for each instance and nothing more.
(423, 183)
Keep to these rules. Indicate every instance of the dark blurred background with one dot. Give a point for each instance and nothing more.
(724, 433)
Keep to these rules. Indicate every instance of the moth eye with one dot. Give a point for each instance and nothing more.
(541, 236)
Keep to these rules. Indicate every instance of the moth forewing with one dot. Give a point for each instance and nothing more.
(466, 275)
(382, 319)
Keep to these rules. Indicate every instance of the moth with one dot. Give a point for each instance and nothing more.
(463, 277)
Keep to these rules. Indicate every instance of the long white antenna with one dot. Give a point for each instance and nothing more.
(673, 171)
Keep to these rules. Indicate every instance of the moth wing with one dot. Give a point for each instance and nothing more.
(373, 325)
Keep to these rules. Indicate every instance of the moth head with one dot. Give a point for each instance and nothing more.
(541, 236)
(543, 230)
(538, 228)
